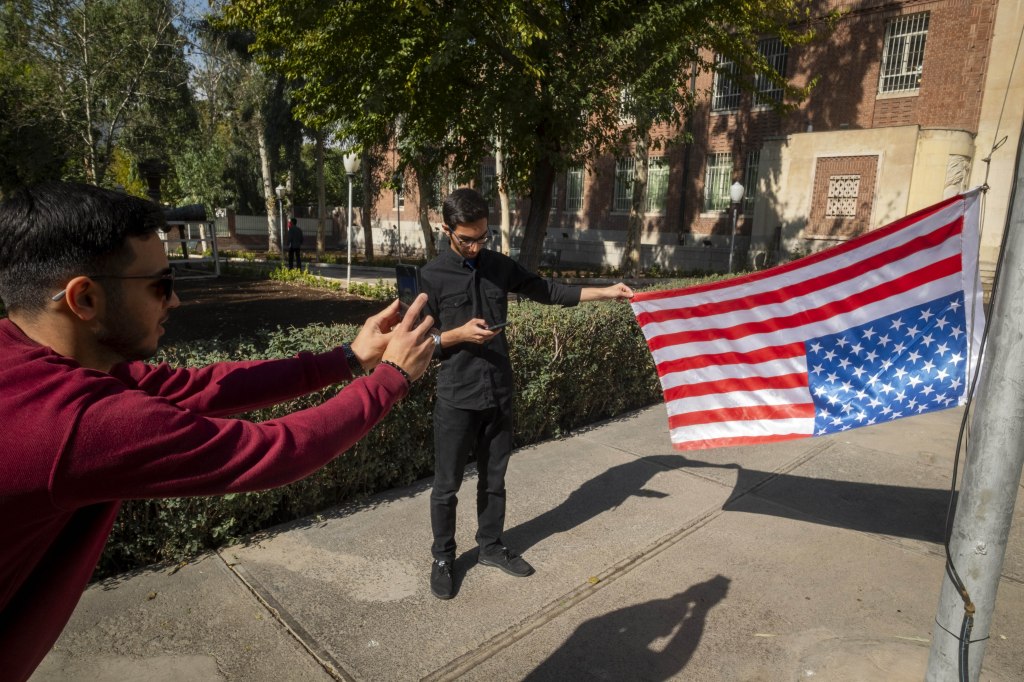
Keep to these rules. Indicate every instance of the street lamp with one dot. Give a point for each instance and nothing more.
(736, 195)
(351, 168)
(280, 216)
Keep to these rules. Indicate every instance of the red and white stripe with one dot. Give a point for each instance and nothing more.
(731, 354)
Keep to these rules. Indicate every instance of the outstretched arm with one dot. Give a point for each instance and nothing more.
(614, 292)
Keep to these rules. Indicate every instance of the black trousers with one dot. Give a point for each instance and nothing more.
(457, 433)
(294, 255)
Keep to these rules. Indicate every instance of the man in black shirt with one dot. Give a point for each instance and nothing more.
(467, 288)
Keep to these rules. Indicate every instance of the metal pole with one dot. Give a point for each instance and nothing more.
(399, 201)
(280, 222)
(995, 456)
(348, 276)
(732, 239)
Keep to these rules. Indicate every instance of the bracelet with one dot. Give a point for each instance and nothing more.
(354, 365)
(401, 371)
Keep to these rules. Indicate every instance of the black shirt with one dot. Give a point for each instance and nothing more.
(479, 376)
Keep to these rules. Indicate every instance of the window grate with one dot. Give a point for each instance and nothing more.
(657, 184)
(727, 91)
(776, 53)
(903, 53)
(574, 189)
(717, 177)
(623, 184)
(842, 196)
(750, 178)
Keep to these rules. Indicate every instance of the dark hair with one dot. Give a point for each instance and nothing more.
(54, 231)
(464, 205)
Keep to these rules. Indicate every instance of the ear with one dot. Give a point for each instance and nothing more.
(83, 298)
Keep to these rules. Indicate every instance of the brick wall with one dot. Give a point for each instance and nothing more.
(821, 225)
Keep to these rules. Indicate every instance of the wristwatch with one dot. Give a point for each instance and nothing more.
(437, 342)
(354, 365)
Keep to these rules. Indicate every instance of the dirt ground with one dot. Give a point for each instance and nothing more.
(230, 308)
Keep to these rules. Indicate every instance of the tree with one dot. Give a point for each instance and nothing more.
(543, 76)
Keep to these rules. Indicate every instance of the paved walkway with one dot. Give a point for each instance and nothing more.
(813, 559)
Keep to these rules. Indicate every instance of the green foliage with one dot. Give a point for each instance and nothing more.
(573, 366)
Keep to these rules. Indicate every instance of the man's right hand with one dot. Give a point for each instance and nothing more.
(475, 331)
(410, 345)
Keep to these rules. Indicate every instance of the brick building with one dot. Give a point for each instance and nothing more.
(911, 97)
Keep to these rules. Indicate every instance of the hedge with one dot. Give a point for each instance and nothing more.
(573, 366)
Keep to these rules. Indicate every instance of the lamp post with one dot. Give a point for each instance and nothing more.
(736, 195)
(280, 216)
(351, 168)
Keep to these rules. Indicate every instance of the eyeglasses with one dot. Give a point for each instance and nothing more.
(464, 241)
(164, 280)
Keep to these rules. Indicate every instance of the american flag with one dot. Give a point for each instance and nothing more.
(884, 326)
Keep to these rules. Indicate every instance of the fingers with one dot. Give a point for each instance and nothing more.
(414, 311)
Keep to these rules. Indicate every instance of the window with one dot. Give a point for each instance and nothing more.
(750, 177)
(574, 189)
(623, 184)
(727, 92)
(842, 196)
(554, 196)
(626, 117)
(399, 199)
(717, 177)
(657, 184)
(775, 53)
(903, 53)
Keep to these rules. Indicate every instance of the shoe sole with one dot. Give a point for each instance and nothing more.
(442, 596)
(485, 562)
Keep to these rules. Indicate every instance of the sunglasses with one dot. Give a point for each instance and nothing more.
(165, 281)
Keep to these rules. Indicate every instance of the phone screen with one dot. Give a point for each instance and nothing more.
(496, 326)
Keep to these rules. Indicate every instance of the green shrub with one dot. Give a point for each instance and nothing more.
(573, 366)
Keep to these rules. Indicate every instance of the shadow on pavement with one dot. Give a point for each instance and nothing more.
(649, 641)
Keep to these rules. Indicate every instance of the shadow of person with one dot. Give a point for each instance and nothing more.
(650, 641)
(604, 492)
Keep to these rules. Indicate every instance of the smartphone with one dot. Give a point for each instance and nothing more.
(496, 326)
(407, 280)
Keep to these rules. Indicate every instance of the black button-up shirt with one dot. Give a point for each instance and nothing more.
(479, 376)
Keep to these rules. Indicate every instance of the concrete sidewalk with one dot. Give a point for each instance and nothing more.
(813, 559)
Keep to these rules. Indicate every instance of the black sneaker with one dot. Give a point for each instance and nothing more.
(506, 560)
(441, 582)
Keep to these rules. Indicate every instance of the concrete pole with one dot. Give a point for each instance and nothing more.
(995, 455)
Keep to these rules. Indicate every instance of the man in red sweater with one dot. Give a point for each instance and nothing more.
(87, 286)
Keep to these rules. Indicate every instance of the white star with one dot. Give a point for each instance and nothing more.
(941, 323)
(956, 332)
(861, 416)
(900, 396)
(927, 315)
(837, 421)
(897, 415)
(871, 421)
(955, 306)
(942, 375)
(860, 395)
(942, 349)
(815, 347)
(871, 356)
(874, 402)
(912, 332)
(886, 410)
(956, 358)
(928, 366)
(844, 363)
(884, 340)
(858, 371)
(900, 373)
(886, 364)
(818, 369)
(898, 348)
(955, 384)
(847, 408)
(897, 323)
(823, 415)
(833, 400)
(914, 356)
(868, 333)
(856, 349)
(820, 390)
(887, 389)
(873, 380)
(927, 390)
(912, 403)
(830, 355)
(845, 386)
(913, 381)
(832, 378)
(842, 342)
(922, 408)
(927, 340)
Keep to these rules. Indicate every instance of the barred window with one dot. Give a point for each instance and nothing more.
(903, 53)
(750, 178)
(574, 189)
(842, 196)
(623, 184)
(727, 91)
(717, 176)
(775, 52)
(657, 184)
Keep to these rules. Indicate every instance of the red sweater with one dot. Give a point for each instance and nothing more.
(74, 442)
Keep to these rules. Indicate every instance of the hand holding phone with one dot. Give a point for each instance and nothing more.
(496, 326)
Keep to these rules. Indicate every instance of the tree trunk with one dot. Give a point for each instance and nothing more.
(424, 182)
(630, 265)
(273, 226)
(506, 214)
(366, 210)
(536, 226)
(321, 195)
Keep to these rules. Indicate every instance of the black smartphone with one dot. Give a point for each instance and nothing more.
(496, 326)
(407, 280)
